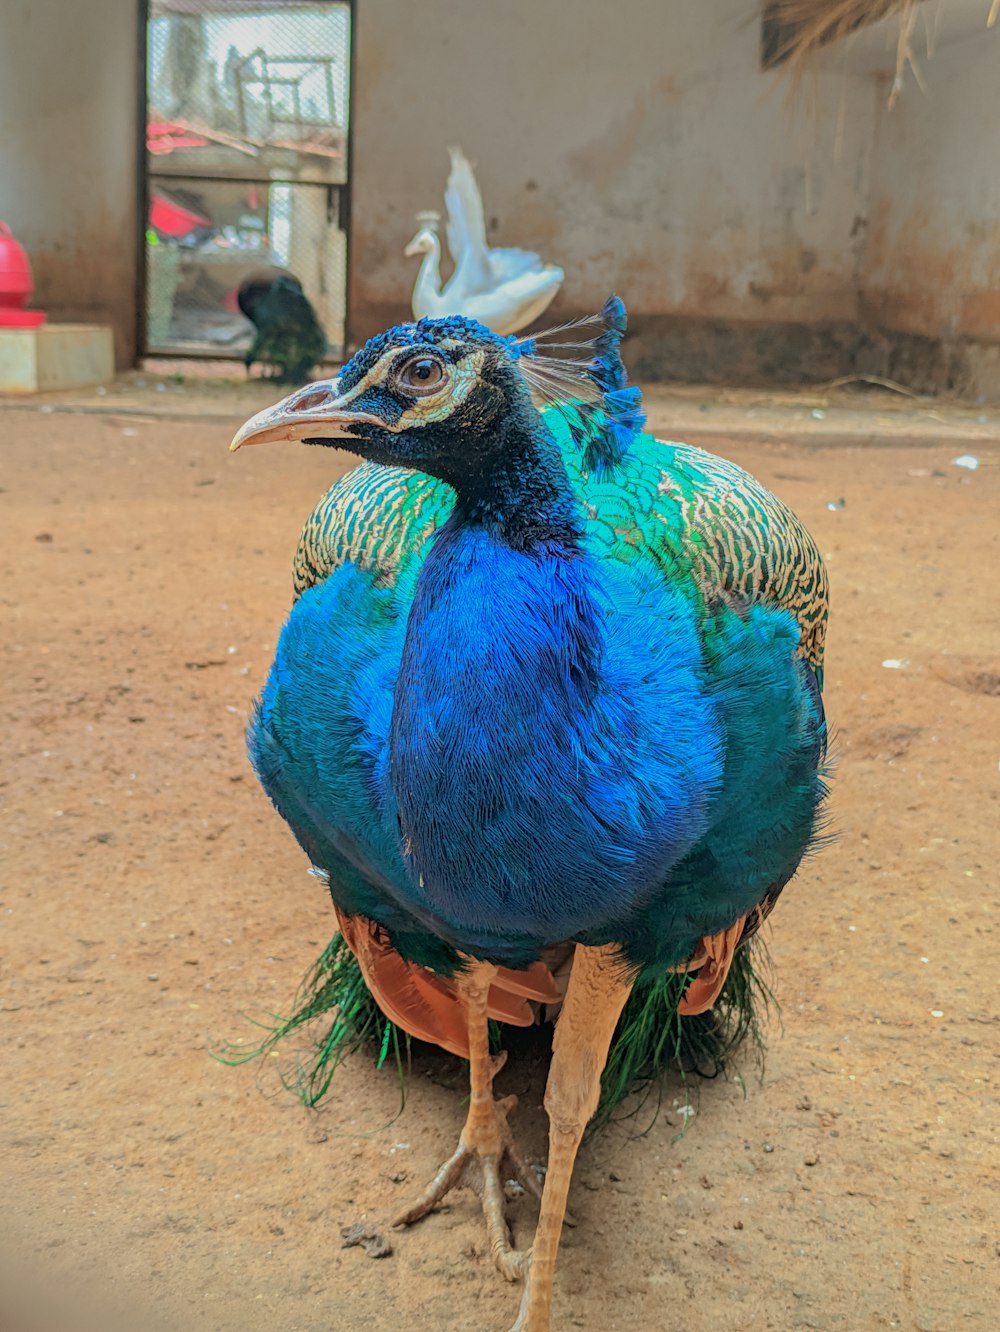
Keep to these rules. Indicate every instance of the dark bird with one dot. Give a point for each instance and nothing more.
(549, 700)
(289, 337)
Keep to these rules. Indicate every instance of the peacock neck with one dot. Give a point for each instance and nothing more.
(429, 277)
(519, 493)
(501, 668)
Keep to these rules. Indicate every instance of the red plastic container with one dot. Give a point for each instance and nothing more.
(16, 284)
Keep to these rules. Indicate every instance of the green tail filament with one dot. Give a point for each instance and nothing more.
(340, 1017)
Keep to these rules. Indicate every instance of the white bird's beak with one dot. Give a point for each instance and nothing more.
(313, 412)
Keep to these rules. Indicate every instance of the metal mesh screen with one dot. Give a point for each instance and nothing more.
(247, 163)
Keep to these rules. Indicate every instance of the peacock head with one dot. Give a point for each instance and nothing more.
(447, 397)
(426, 240)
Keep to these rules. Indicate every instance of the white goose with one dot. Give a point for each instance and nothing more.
(504, 289)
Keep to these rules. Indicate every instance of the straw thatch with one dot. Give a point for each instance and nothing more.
(795, 30)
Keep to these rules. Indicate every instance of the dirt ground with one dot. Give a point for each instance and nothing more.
(150, 899)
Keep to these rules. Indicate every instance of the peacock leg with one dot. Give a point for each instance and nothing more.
(594, 1000)
(486, 1151)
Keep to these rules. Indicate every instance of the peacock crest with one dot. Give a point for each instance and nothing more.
(584, 378)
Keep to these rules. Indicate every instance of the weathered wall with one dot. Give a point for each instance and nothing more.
(68, 187)
(931, 276)
(639, 146)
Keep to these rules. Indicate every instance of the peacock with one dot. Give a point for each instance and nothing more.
(289, 336)
(546, 716)
(506, 289)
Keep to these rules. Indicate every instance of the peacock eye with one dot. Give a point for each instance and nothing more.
(421, 375)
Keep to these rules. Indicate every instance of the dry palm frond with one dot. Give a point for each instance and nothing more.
(795, 30)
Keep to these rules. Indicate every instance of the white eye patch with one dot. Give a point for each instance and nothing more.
(462, 379)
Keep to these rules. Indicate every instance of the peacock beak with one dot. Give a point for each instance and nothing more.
(313, 412)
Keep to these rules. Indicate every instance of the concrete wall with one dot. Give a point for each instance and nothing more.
(68, 129)
(638, 145)
(931, 276)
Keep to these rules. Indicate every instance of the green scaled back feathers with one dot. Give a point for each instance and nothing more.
(704, 516)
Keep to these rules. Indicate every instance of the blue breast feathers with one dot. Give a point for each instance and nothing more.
(552, 751)
(565, 801)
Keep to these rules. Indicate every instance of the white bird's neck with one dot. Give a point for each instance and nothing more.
(427, 288)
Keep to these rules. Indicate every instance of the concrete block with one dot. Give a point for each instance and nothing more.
(55, 356)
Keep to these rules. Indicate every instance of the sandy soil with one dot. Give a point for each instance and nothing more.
(150, 898)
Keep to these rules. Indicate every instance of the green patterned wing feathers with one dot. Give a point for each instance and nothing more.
(702, 515)
(377, 518)
(743, 541)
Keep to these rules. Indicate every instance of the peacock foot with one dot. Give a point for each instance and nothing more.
(487, 1156)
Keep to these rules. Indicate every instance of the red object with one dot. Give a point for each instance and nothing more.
(22, 318)
(172, 220)
(166, 136)
(16, 284)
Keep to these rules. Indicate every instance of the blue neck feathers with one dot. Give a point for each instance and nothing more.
(527, 748)
(520, 494)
